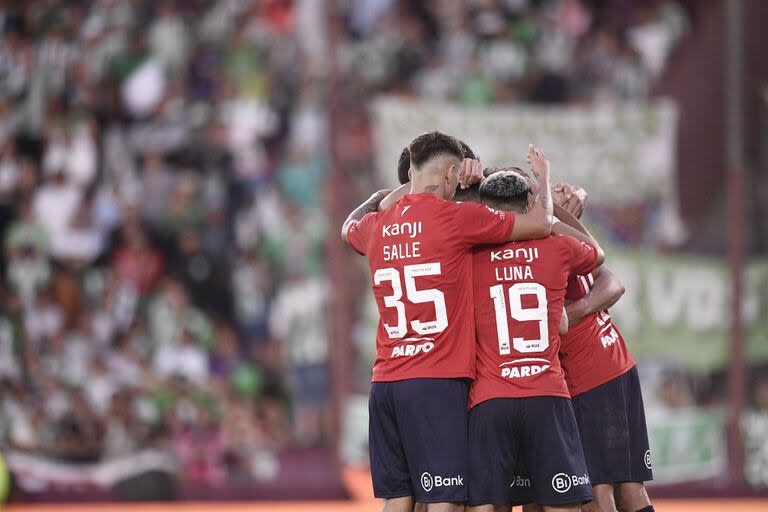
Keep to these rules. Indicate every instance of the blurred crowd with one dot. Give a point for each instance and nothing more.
(162, 189)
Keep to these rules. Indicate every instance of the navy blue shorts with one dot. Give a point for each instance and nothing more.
(526, 450)
(611, 420)
(417, 439)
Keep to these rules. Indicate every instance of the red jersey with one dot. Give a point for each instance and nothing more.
(519, 294)
(593, 352)
(420, 255)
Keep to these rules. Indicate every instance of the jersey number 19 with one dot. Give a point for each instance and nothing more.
(520, 314)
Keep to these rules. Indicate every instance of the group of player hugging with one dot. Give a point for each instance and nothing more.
(499, 379)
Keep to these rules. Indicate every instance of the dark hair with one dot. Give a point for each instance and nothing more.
(493, 170)
(468, 153)
(505, 188)
(404, 163)
(431, 144)
(467, 195)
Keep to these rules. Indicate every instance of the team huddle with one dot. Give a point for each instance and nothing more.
(499, 379)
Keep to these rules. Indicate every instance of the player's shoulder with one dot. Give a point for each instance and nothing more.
(367, 221)
(547, 248)
(478, 209)
(562, 240)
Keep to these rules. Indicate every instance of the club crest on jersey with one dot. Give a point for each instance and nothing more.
(526, 254)
(412, 229)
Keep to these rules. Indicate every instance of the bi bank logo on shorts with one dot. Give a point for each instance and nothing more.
(562, 482)
(428, 482)
(520, 481)
(647, 459)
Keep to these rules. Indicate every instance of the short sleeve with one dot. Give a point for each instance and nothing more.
(480, 224)
(582, 255)
(359, 233)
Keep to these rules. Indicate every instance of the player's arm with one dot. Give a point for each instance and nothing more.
(564, 323)
(605, 292)
(537, 221)
(570, 225)
(361, 211)
(393, 196)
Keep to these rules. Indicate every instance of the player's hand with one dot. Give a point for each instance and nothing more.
(570, 198)
(537, 160)
(470, 172)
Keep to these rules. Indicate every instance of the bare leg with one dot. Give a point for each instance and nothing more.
(631, 496)
(534, 507)
(603, 501)
(481, 508)
(404, 504)
(563, 508)
(445, 507)
(490, 508)
(420, 507)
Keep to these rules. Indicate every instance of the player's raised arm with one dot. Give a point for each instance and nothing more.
(537, 221)
(393, 196)
(570, 225)
(570, 197)
(369, 206)
(604, 293)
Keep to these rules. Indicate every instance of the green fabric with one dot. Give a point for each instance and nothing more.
(300, 181)
(27, 234)
(5, 481)
(476, 91)
(247, 381)
(524, 31)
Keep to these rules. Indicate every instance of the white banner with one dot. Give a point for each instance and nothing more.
(619, 153)
(35, 473)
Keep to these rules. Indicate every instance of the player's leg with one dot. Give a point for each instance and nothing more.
(553, 454)
(404, 504)
(603, 502)
(445, 507)
(432, 424)
(495, 482)
(614, 438)
(631, 494)
(389, 468)
(632, 497)
(534, 507)
(489, 508)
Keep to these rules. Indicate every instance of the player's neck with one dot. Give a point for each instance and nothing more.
(427, 184)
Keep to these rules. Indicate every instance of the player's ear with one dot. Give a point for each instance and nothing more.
(530, 202)
(410, 174)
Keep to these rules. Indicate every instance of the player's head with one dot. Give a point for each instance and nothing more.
(505, 189)
(470, 194)
(435, 161)
(404, 162)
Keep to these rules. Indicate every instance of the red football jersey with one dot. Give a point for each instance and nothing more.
(519, 294)
(593, 352)
(420, 255)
